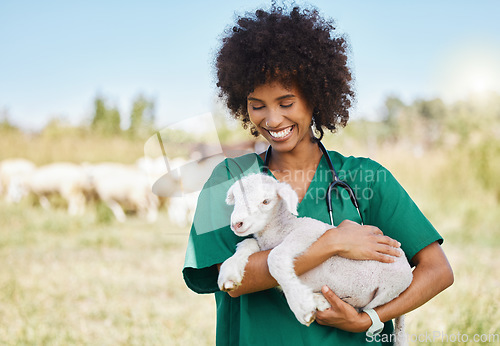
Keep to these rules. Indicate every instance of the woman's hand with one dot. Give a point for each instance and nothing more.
(342, 315)
(354, 241)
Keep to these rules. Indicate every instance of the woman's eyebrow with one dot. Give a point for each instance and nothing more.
(253, 99)
(277, 99)
(285, 97)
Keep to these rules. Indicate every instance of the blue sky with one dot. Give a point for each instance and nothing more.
(57, 55)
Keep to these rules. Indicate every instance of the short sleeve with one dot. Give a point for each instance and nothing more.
(211, 240)
(394, 212)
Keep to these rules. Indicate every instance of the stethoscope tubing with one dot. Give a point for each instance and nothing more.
(336, 182)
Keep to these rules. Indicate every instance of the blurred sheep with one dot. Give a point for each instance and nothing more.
(12, 169)
(62, 178)
(123, 187)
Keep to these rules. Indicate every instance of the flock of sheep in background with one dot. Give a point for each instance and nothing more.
(123, 188)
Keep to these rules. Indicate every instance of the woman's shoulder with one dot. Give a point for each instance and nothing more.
(247, 160)
(353, 162)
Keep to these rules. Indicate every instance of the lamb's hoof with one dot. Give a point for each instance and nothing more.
(321, 303)
(309, 318)
(229, 286)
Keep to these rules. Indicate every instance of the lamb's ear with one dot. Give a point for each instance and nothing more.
(230, 196)
(289, 196)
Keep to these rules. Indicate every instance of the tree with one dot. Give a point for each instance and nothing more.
(5, 123)
(142, 117)
(394, 109)
(432, 114)
(105, 120)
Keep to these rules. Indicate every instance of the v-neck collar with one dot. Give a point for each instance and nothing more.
(312, 184)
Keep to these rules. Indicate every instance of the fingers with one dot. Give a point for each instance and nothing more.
(322, 316)
(340, 314)
(330, 296)
(374, 230)
(384, 258)
(389, 250)
(367, 242)
(389, 241)
(387, 254)
(383, 238)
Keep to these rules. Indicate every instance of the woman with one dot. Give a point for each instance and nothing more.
(285, 75)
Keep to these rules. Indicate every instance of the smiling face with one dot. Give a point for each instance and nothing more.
(282, 115)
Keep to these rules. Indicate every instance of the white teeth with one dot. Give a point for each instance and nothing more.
(281, 133)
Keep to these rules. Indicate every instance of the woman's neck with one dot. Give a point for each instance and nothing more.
(307, 156)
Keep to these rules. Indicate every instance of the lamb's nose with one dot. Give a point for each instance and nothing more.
(237, 225)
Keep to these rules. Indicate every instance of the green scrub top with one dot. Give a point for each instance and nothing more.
(264, 318)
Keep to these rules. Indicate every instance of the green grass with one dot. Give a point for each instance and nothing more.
(71, 281)
(468, 307)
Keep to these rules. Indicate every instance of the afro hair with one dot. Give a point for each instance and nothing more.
(298, 48)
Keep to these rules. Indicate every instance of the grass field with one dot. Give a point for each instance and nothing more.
(70, 281)
(80, 281)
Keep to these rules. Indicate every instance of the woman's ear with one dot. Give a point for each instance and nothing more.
(289, 196)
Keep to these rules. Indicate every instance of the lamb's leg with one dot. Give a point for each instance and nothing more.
(232, 270)
(152, 214)
(381, 298)
(399, 331)
(76, 204)
(44, 202)
(321, 303)
(300, 297)
(152, 209)
(281, 259)
(117, 210)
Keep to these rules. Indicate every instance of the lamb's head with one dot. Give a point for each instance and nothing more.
(258, 198)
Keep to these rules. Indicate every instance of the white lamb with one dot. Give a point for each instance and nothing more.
(10, 171)
(62, 178)
(122, 187)
(266, 208)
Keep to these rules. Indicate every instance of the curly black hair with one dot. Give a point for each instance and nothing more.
(299, 48)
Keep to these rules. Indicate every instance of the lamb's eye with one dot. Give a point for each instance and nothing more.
(265, 202)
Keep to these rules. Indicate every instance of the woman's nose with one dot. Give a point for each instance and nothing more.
(273, 119)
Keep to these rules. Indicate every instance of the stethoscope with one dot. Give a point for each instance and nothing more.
(335, 183)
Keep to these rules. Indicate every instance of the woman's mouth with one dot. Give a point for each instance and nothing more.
(281, 135)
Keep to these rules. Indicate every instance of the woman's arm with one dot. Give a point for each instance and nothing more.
(349, 240)
(432, 275)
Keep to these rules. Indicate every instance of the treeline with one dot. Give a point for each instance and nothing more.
(105, 120)
(434, 123)
(467, 130)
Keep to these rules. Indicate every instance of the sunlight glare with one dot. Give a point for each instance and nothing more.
(472, 70)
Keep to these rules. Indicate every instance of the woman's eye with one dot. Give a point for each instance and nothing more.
(265, 202)
(287, 105)
(256, 108)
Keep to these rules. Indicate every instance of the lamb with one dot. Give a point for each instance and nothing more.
(63, 178)
(123, 187)
(266, 209)
(10, 171)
